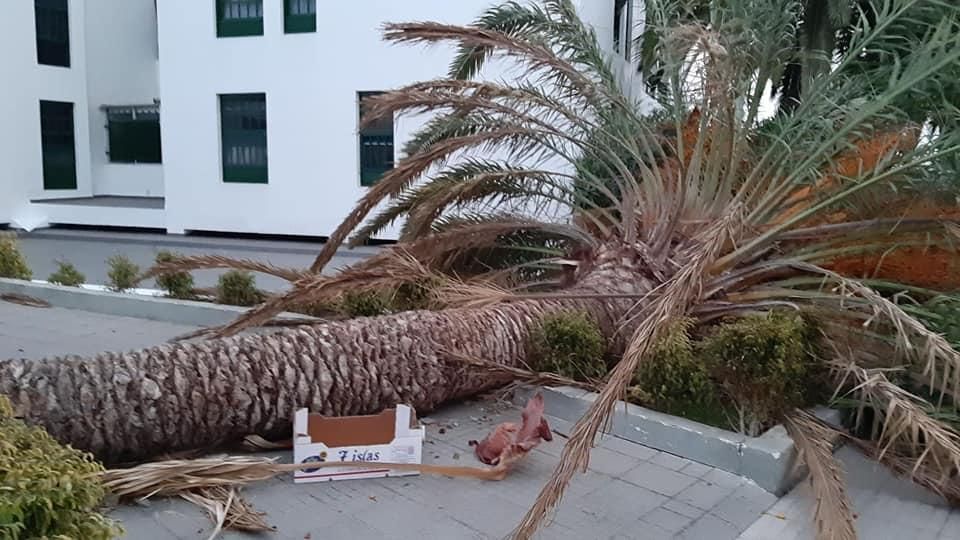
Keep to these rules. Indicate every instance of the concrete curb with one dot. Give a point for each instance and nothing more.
(768, 460)
(129, 305)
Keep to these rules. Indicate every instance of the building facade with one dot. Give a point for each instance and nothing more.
(212, 115)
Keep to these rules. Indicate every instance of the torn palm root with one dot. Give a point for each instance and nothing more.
(509, 442)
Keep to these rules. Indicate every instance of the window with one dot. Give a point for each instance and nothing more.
(300, 16)
(56, 143)
(243, 126)
(134, 134)
(376, 146)
(622, 26)
(239, 18)
(53, 32)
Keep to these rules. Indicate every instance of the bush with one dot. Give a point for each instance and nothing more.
(414, 295)
(238, 288)
(364, 304)
(12, 263)
(942, 315)
(766, 364)
(67, 275)
(176, 284)
(123, 273)
(48, 490)
(675, 379)
(569, 344)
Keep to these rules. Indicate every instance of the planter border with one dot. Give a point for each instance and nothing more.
(769, 460)
(186, 312)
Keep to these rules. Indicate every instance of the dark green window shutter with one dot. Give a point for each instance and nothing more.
(299, 16)
(53, 32)
(376, 146)
(134, 134)
(57, 145)
(239, 18)
(243, 126)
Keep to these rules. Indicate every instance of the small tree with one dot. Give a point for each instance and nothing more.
(765, 364)
(123, 273)
(570, 344)
(238, 288)
(48, 490)
(12, 263)
(363, 304)
(176, 284)
(67, 275)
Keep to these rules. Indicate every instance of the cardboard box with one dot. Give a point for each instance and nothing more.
(392, 436)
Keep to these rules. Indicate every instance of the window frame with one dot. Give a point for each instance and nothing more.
(242, 174)
(249, 26)
(52, 181)
(299, 23)
(44, 52)
(371, 176)
(143, 125)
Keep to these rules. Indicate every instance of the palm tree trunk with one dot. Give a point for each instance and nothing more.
(195, 395)
(185, 396)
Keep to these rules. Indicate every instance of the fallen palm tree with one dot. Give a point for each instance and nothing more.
(594, 205)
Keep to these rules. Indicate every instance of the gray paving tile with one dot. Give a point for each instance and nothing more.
(739, 511)
(611, 463)
(658, 479)
(703, 495)
(696, 469)
(684, 509)
(670, 461)
(723, 478)
(627, 447)
(620, 502)
(710, 528)
(667, 520)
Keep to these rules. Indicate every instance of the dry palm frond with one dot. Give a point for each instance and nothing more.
(833, 513)
(24, 300)
(905, 427)
(228, 510)
(256, 443)
(516, 374)
(172, 478)
(407, 263)
(401, 177)
(905, 466)
(472, 294)
(200, 262)
(938, 360)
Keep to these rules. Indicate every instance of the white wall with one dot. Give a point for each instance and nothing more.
(113, 60)
(25, 83)
(310, 81)
(121, 70)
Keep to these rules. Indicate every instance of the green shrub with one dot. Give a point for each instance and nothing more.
(675, 378)
(238, 288)
(569, 344)
(364, 304)
(12, 263)
(176, 284)
(942, 315)
(123, 273)
(67, 275)
(414, 295)
(47, 490)
(766, 364)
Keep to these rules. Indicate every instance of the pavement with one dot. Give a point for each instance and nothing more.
(89, 250)
(629, 491)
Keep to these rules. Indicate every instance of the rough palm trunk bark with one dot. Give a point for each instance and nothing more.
(128, 406)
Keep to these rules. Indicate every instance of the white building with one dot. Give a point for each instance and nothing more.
(209, 115)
